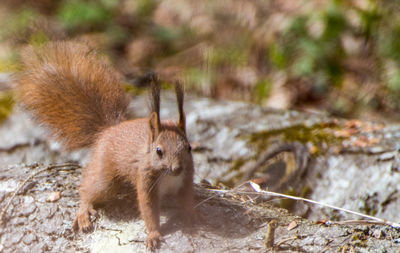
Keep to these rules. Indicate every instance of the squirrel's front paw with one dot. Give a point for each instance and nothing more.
(82, 222)
(153, 240)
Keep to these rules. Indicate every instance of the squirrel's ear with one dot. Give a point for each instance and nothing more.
(154, 125)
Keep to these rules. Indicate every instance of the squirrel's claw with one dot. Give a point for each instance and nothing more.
(153, 240)
(82, 222)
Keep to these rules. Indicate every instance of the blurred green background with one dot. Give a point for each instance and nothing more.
(341, 57)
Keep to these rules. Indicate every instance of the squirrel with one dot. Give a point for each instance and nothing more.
(73, 91)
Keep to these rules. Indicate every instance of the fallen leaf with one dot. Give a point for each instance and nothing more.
(196, 146)
(364, 141)
(313, 149)
(373, 141)
(371, 128)
(363, 138)
(355, 123)
(321, 221)
(360, 143)
(378, 127)
(342, 133)
(54, 196)
(292, 225)
(336, 149)
(260, 180)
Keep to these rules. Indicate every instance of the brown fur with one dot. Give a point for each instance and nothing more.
(72, 91)
(79, 97)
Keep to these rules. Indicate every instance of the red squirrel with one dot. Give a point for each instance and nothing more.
(72, 90)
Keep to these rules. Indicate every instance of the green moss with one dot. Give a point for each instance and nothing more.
(370, 210)
(288, 203)
(359, 239)
(317, 135)
(346, 248)
(238, 176)
(357, 236)
(234, 170)
(237, 164)
(306, 191)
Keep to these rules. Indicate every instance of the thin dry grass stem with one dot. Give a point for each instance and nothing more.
(286, 240)
(49, 167)
(259, 191)
(360, 222)
(233, 190)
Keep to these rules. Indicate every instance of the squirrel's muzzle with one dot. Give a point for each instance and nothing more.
(175, 171)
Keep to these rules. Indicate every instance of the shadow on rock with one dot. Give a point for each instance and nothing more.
(216, 216)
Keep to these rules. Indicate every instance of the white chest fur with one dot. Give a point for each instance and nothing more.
(170, 185)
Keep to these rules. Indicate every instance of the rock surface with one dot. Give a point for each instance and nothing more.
(352, 165)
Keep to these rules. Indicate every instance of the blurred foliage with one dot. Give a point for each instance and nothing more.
(6, 104)
(336, 55)
(75, 14)
(9, 63)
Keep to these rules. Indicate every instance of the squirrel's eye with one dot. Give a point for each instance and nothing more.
(159, 151)
(190, 148)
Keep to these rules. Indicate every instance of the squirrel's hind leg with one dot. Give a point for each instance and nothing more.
(93, 189)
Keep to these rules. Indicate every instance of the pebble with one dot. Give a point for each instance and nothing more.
(11, 239)
(47, 211)
(28, 206)
(54, 224)
(29, 238)
(377, 233)
(19, 221)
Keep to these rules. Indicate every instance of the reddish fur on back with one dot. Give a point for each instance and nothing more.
(72, 90)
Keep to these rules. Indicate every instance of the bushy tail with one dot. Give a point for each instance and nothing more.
(72, 90)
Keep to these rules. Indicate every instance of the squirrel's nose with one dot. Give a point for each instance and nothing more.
(176, 170)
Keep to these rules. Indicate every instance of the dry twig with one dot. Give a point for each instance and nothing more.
(270, 236)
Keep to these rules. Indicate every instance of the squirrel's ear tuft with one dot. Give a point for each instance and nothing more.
(182, 122)
(179, 90)
(154, 125)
